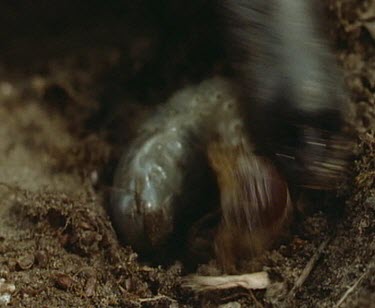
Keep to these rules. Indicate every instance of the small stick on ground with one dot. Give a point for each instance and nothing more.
(253, 281)
(308, 268)
(353, 287)
(257, 303)
(157, 298)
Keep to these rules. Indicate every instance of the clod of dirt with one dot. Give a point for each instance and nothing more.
(63, 281)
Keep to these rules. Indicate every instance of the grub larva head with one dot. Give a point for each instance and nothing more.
(140, 218)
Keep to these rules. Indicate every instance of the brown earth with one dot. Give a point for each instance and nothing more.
(69, 101)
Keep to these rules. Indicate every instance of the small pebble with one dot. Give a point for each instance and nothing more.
(63, 281)
(90, 286)
(25, 262)
(41, 258)
(6, 290)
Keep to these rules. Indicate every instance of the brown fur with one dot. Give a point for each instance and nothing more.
(255, 202)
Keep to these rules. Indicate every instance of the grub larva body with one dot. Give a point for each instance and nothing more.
(165, 167)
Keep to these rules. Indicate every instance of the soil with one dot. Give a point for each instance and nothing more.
(70, 98)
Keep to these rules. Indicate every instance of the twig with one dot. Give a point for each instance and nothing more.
(353, 287)
(258, 280)
(308, 268)
(257, 303)
(156, 298)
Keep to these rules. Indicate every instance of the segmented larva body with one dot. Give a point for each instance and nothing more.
(153, 178)
(162, 175)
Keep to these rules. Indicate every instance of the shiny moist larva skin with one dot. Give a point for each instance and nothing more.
(287, 107)
(163, 173)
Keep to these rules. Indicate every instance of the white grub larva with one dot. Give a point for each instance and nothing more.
(162, 175)
(164, 172)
